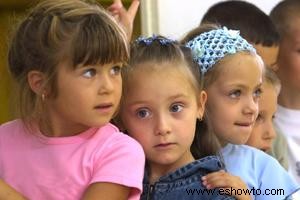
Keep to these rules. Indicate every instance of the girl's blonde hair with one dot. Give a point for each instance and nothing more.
(55, 31)
(271, 78)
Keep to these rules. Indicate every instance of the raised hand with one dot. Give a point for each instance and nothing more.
(123, 16)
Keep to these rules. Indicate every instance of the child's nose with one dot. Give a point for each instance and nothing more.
(162, 125)
(251, 106)
(105, 84)
(269, 132)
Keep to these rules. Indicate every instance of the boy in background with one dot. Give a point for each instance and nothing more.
(286, 17)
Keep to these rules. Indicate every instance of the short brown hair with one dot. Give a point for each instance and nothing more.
(283, 14)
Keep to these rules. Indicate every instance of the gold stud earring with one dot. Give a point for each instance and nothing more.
(43, 97)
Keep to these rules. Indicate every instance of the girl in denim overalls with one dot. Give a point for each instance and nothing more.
(232, 74)
(162, 107)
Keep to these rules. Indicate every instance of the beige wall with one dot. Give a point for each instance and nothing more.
(173, 18)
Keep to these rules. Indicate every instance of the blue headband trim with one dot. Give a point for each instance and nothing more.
(210, 47)
(149, 40)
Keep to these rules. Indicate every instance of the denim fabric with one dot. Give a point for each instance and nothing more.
(176, 185)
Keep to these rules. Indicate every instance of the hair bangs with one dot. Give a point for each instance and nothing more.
(98, 42)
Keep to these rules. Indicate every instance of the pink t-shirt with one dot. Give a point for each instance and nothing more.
(57, 168)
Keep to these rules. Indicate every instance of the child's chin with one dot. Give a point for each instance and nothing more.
(266, 149)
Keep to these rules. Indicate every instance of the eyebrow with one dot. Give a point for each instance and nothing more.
(169, 98)
(243, 86)
(259, 85)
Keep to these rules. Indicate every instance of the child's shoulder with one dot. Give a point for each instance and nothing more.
(11, 126)
(113, 136)
(11, 123)
(245, 151)
(113, 132)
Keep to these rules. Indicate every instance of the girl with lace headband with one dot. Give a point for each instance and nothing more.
(66, 56)
(232, 77)
(161, 106)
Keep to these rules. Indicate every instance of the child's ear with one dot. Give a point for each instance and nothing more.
(36, 81)
(201, 104)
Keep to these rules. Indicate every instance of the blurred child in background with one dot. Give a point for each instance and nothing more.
(286, 17)
(263, 132)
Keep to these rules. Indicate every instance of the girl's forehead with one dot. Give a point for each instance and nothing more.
(239, 59)
(159, 71)
(238, 67)
(170, 67)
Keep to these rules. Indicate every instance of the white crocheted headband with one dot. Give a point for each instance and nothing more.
(209, 47)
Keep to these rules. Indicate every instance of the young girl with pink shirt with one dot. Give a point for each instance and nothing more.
(66, 57)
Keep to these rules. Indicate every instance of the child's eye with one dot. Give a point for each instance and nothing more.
(176, 108)
(89, 73)
(116, 70)
(143, 113)
(257, 93)
(235, 94)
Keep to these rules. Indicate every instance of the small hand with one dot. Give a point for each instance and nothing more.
(123, 16)
(224, 180)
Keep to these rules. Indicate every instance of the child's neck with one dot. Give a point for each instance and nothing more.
(289, 99)
(223, 144)
(157, 170)
(57, 130)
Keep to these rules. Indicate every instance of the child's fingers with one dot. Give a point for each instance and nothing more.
(118, 1)
(118, 8)
(132, 10)
(115, 7)
(217, 182)
(222, 179)
(214, 179)
(214, 174)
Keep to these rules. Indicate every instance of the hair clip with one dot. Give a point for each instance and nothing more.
(149, 40)
(209, 47)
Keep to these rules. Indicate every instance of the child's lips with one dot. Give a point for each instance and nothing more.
(265, 149)
(244, 123)
(164, 145)
(105, 107)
